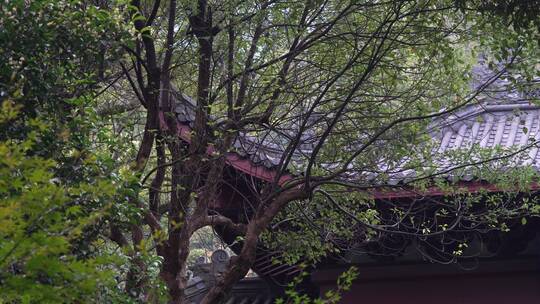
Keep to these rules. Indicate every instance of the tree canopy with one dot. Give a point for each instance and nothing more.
(129, 126)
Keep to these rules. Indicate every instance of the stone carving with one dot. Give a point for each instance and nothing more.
(204, 274)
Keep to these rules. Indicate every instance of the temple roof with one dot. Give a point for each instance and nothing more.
(264, 149)
(488, 125)
(250, 290)
(501, 117)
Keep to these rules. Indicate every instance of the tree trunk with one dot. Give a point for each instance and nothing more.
(240, 265)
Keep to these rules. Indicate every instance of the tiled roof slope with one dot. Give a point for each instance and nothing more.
(264, 149)
(250, 290)
(489, 125)
(510, 130)
(502, 117)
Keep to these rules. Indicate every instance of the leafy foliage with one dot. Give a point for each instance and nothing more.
(517, 13)
(90, 153)
(343, 284)
(56, 188)
(41, 220)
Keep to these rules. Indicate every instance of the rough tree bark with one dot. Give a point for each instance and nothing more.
(239, 265)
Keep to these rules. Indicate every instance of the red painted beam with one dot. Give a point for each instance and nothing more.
(245, 165)
(461, 187)
(233, 159)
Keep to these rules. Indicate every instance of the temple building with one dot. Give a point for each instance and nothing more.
(504, 267)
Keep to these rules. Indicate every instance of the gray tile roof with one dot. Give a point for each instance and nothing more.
(510, 130)
(245, 291)
(250, 290)
(503, 117)
(262, 147)
(489, 125)
(253, 299)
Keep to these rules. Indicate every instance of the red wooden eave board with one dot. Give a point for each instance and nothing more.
(461, 187)
(246, 166)
(233, 159)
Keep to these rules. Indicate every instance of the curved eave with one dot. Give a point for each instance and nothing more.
(461, 187)
(263, 173)
(233, 159)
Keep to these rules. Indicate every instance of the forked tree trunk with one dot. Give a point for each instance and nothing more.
(240, 265)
